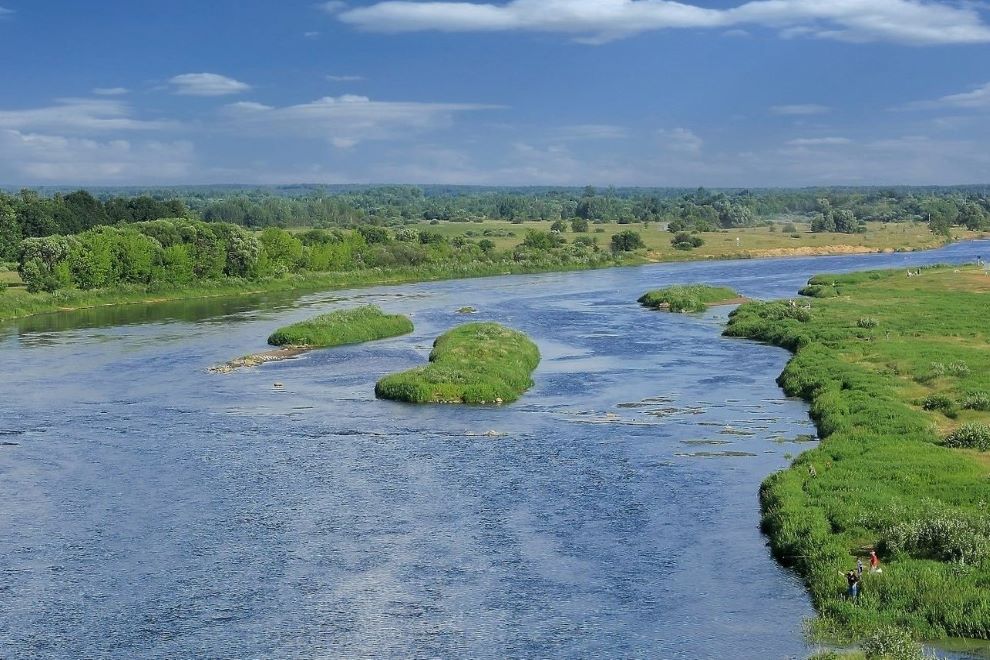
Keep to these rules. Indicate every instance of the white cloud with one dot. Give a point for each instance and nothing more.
(913, 22)
(33, 157)
(333, 7)
(110, 91)
(818, 142)
(345, 78)
(345, 120)
(207, 84)
(5, 12)
(79, 116)
(978, 97)
(799, 109)
(680, 140)
(311, 35)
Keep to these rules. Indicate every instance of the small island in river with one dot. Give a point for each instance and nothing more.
(472, 363)
(689, 298)
(347, 326)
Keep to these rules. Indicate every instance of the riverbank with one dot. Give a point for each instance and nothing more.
(890, 365)
(748, 243)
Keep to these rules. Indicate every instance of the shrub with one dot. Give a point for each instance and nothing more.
(960, 369)
(867, 322)
(940, 537)
(939, 402)
(626, 241)
(977, 401)
(789, 228)
(892, 643)
(685, 241)
(970, 436)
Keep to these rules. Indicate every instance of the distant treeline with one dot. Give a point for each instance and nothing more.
(29, 215)
(183, 251)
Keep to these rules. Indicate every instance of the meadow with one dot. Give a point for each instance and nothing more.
(482, 363)
(894, 365)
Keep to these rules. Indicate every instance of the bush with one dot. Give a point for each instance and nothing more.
(626, 241)
(977, 401)
(939, 402)
(789, 228)
(690, 298)
(892, 643)
(970, 436)
(867, 322)
(940, 537)
(959, 369)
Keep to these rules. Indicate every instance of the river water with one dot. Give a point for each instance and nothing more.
(153, 509)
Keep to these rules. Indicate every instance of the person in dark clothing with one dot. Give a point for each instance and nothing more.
(852, 580)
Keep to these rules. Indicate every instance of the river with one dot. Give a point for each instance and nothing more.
(154, 510)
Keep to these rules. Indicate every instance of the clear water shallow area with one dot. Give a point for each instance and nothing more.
(154, 510)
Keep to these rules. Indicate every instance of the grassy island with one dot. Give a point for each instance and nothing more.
(348, 326)
(688, 298)
(896, 368)
(472, 363)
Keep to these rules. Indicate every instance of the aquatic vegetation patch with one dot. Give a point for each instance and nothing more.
(349, 326)
(481, 363)
(886, 474)
(687, 298)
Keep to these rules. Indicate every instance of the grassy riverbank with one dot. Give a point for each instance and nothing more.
(891, 363)
(688, 298)
(754, 242)
(346, 326)
(472, 363)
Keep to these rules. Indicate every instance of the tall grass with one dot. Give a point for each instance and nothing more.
(349, 326)
(472, 363)
(687, 298)
(883, 476)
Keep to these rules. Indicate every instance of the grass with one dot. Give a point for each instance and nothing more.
(883, 476)
(348, 326)
(472, 363)
(687, 298)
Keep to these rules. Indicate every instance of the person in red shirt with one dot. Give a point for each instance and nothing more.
(874, 561)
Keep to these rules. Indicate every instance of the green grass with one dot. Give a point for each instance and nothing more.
(472, 363)
(882, 476)
(348, 326)
(688, 298)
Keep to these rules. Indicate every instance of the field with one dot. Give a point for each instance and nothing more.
(472, 363)
(893, 362)
(745, 242)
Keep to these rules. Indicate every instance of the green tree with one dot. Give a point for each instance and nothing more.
(626, 241)
(10, 230)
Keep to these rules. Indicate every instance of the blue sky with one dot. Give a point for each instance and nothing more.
(534, 92)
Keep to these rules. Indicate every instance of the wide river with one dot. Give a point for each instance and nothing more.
(153, 509)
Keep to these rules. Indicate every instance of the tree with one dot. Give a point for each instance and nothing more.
(845, 222)
(626, 241)
(10, 230)
(823, 223)
(541, 240)
(579, 225)
(558, 226)
(42, 262)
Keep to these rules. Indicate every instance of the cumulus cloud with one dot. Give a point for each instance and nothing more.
(818, 142)
(72, 115)
(680, 140)
(207, 84)
(913, 22)
(799, 109)
(345, 120)
(34, 157)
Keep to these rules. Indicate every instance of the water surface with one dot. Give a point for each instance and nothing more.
(152, 509)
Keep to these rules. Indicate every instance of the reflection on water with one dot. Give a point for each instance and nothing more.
(152, 509)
